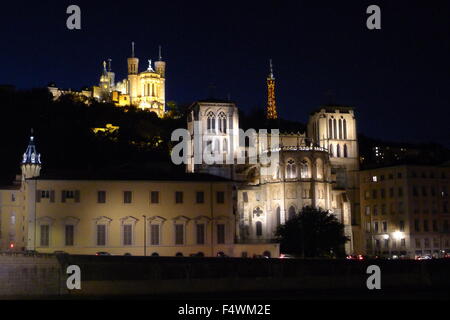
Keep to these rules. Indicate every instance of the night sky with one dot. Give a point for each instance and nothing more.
(397, 77)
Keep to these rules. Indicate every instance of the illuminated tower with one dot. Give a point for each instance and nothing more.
(31, 162)
(133, 78)
(271, 104)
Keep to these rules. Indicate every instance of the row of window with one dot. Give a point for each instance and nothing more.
(337, 129)
(382, 192)
(221, 122)
(399, 175)
(387, 243)
(426, 208)
(436, 243)
(443, 192)
(382, 226)
(375, 209)
(127, 232)
(434, 225)
(335, 152)
(154, 196)
(424, 192)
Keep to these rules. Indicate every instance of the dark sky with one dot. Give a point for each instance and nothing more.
(397, 77)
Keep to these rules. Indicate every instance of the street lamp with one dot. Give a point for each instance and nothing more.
(398, 235)
(387, 244)
(145, 235)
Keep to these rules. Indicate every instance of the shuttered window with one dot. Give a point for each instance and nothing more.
(154, 234)
(69, 235)
(45, 235)
(101, 235)
(127, 234)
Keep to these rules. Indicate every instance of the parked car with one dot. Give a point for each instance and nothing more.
(102, 253)
(260, 256)
(221, 255)
(287, 256)
(426, 257)
(355, 257)
(127, 254)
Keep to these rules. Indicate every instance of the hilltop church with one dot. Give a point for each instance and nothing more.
(145, 90)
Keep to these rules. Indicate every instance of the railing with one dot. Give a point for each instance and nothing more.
(296, 148)
(26, 254)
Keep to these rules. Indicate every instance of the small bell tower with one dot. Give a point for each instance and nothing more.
(31, 162)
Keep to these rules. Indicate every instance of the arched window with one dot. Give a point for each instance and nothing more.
(222, 123)
(211, 122)
(225, 145)
(304, 170)
(278, 216)
(319, 168)
(340, 128)
(334, 129)
(330, 129)
(345, 151)
(291, 169)
(277, 173)
(259, 228)
(338, 151)
(345, 129)
(291, 212)
(331, 150)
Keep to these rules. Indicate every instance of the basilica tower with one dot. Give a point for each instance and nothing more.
(271, 103)
(133, 78)
(160, 65)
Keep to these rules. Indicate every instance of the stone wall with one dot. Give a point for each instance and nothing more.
(119, 275)
(29, 275)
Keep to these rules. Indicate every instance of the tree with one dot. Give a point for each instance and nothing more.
(312, 233)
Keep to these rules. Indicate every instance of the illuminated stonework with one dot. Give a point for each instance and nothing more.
(145, 90)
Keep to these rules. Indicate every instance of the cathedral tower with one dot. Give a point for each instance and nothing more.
(31, 162)
(271, 104)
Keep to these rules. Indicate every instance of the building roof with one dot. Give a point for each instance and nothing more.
(333, 108)
(156, 175)
(31, 156)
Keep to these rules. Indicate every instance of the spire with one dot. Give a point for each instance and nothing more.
(132, 49)
(271, 70)
(104, 66)
(31, 156)
(271, 103)
(160, 55)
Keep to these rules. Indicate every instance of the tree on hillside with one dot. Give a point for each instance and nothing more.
(312, 233)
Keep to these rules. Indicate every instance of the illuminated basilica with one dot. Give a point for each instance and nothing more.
(145, 90)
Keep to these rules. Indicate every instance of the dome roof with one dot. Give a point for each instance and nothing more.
(31, 156)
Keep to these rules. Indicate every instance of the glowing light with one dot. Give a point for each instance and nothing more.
(399, 235)
(385, 236)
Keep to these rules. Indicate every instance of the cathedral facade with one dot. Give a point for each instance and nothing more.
(145, 90)
(317, 168)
